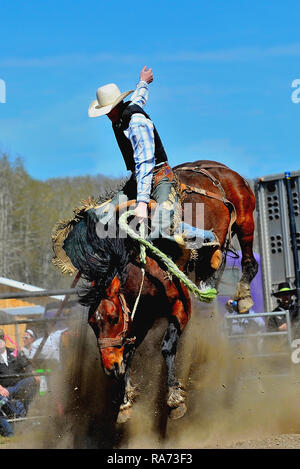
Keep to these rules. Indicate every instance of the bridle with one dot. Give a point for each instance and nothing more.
(121, 338)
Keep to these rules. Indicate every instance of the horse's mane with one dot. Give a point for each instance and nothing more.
(100, 260)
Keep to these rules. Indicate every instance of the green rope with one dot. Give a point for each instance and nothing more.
(203, 295)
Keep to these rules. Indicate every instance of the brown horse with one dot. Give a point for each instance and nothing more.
(112, 265)
(116, 274)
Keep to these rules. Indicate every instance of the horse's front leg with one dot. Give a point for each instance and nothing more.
(245, 233)
(130, 391)
(176, 393)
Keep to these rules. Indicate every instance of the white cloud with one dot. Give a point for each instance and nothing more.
(68, 60)
(234, 54)
(222, 55)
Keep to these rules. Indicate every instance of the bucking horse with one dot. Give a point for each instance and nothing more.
(125, 296)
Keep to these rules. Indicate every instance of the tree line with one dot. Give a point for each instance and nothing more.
(29, 209)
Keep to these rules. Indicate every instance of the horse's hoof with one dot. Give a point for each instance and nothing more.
(245, 304)
(124, 416)
(177, 412)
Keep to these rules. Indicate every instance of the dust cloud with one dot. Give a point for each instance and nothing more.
(230, 396)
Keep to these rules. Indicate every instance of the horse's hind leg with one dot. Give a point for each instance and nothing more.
(245, 234)
(176, 393)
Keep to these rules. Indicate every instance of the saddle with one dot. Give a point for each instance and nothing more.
(202, 168)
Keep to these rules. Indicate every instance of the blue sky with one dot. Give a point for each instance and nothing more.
(222, 81)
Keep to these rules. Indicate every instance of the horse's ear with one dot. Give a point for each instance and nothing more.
(114, 287)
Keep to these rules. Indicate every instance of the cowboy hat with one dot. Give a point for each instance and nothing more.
(108, 96)
(283, 289)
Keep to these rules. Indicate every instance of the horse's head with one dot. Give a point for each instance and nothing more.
(110, 323)
(104, 263)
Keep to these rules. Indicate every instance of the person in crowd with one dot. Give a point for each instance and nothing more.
(244, 323)
(47, 353)
(284, 295)
(5, 427)
(55, 330)
(16, 393)
(29, 337)
(10, 340)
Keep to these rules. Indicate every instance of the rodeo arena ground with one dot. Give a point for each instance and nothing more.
(109, 372)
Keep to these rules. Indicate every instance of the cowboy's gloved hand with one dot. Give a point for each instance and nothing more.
(146, 75)
(141, 211)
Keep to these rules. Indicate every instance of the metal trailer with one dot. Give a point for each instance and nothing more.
(278, 216)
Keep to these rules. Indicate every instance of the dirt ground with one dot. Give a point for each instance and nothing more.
(234, 402)
(291, 441)
(272, 442)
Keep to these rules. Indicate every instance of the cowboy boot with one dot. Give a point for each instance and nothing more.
(195, 238)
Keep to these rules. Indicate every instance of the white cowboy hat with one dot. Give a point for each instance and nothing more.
(108, 96)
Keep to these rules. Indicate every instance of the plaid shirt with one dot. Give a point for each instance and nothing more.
(141, 134)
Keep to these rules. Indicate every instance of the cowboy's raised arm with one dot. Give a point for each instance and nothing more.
(140, 96)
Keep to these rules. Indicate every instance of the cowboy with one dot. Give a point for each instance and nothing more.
(29, 337)
(285, 303)
(145, 157)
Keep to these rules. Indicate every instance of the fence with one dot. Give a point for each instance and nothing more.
(280, 355)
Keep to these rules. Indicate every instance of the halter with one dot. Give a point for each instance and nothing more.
(121, 338)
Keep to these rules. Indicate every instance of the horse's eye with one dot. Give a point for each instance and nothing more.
(113, 319)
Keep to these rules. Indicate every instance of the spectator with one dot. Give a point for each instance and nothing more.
(6, 337)
(285, 303)
(50, 356)
(29, 337)
(246, 323)
(15, 393)
(51, 349)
